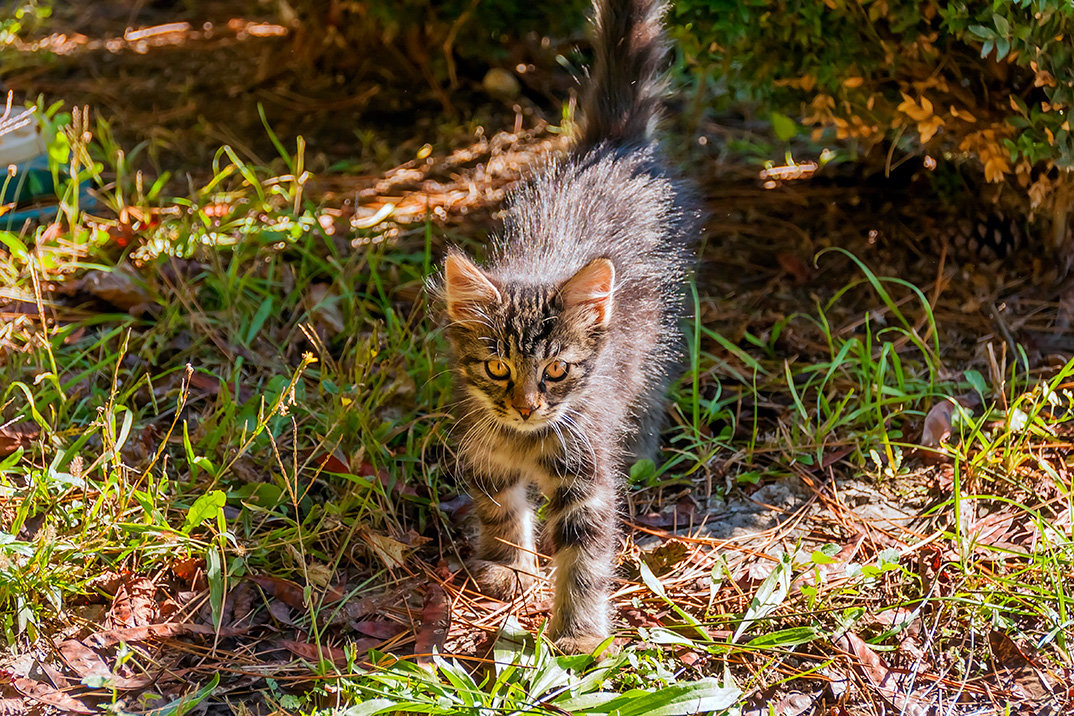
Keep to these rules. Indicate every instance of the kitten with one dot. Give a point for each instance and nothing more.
(565, 343)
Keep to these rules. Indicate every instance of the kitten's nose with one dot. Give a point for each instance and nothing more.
(525, 412)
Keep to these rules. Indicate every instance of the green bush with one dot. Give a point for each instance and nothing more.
(990, 83)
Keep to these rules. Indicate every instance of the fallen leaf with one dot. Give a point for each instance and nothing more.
(91, 668)
(390, 551)
(323, 306)
(940, 419)
(119, 286)
(242, 601)
(55, 676)
(1015, 670)
(879, 675)
(435, 620)
(331, 463)
(793, 704)
(187, 568)
(134, 604)
(666, 556)
(638, 618)
(166, 630)
(688, 657)
(381, 630)
(82, 660)
(205, 382)
(311, 652)
(17, 435)
(18, 307)
(45, 694)
(285, 590)
(795, 266)
(318, 574)
(280, 612)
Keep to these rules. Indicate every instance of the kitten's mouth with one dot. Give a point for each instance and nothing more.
(535, 423)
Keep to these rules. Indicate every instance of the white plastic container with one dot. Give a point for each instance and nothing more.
(20, 138)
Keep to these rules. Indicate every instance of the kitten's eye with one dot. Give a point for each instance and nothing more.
(497, 369)
(556, 370)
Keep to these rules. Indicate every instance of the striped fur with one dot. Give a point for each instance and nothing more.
(564, 344)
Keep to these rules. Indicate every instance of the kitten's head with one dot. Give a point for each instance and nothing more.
(524, 351)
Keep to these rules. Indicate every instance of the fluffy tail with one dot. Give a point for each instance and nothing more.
(623, 100)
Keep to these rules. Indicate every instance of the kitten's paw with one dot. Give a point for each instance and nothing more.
(585, 644)
(499, 580)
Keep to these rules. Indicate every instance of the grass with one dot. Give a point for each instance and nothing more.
(261, 437)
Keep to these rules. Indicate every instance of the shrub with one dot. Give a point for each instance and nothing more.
(990, 83)
(430, 34)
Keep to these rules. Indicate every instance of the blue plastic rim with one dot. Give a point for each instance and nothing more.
(33, 185)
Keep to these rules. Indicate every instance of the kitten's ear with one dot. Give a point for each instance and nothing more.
(466, 289)
(590, 291)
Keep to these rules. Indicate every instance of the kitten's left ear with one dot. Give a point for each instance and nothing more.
(590, 291)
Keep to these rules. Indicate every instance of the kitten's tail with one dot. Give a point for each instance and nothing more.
(623, 100)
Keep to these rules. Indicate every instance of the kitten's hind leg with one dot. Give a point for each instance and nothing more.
(506, 561)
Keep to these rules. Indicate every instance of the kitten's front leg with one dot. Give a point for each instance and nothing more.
(502, 569)
(583, 527)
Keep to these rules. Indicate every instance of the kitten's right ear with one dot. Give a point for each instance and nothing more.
(466, 289)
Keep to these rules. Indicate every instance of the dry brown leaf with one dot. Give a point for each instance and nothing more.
(793, 704)
(381, 630)
(938, 422)
(45, 694)
(111, 637)
(134, 604)
(687, 657)
(242, 601)
(458, 507)
(12, 707)
(87, 663)
(208, 384)
(16, 435)
(879, 675)
(55, 676)
(323, 306)
(285, 590)
(666, 556)
(793, 264)
(435, 620)
(82, 660)
(1015, 670)
(937, 427)
(280, 612)
(391, 552)
(311, 652)
(119, 286)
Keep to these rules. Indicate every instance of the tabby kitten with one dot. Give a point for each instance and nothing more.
(564, 344)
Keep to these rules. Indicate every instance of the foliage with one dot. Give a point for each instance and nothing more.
(23, 17)
(991, 82)
(426, 33)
